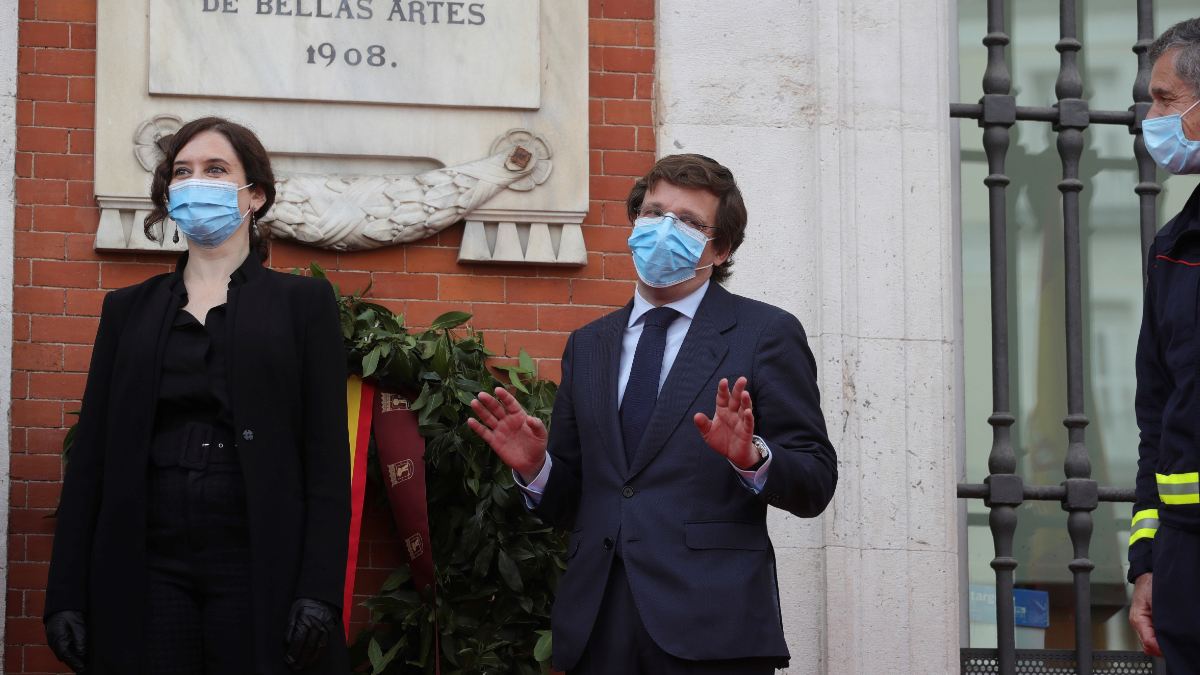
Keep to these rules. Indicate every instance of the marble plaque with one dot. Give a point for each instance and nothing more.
(474, 53)
(359, 162)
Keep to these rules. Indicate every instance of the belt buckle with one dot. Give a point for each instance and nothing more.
(194, 457)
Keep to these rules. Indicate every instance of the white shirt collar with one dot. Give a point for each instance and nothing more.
(686, 305)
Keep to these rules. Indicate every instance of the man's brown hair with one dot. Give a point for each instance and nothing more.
(705, 173)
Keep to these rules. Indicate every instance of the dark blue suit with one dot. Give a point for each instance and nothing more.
(692, 536)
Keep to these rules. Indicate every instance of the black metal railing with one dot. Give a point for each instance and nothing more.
(1003, 491)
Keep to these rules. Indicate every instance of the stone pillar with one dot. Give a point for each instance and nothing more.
(8, 142)
(833, 114)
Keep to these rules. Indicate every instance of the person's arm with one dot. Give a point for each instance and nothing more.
(523, 443)
(1153, 387)
(787, 410)
(66, 587)
(325, 451)
(560, 499)
(532, 491)
(755, 477)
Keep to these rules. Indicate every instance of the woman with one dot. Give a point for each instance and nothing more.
(205, 510)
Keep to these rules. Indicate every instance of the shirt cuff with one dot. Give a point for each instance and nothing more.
(534, 489)
(755, 479)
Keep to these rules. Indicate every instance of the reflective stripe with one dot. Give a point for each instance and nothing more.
(1179, 488)
(1144, 525)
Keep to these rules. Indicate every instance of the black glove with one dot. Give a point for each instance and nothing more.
(66, 633)
(309, 628)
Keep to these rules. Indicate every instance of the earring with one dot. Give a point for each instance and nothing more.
(175, 236)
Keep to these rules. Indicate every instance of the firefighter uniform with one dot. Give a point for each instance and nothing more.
(1165, 530)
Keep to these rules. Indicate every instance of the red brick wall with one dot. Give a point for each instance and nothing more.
(59, 280)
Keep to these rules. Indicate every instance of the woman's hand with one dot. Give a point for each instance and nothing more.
(308, 632)
(66, 634)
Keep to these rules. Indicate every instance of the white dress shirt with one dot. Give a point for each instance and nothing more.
(676, 332)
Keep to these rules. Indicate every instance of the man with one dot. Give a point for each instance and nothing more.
(679, 418)
(1164, 559)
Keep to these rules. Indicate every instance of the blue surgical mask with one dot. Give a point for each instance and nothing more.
(665, 251)
(1168, 145)
(205, 210)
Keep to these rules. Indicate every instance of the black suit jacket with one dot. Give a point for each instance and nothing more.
(287, 389)
(692, 536)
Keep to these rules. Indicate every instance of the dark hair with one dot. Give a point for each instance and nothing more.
(698, 171)
(1184, 36)
(251, 154)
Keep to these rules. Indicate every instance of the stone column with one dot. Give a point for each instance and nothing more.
(833, 114)
(8, 143)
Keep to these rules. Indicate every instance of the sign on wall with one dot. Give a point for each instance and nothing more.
(470, 54)
(386, 120)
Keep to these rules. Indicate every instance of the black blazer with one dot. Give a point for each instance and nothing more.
(692, 536)
(287, 389)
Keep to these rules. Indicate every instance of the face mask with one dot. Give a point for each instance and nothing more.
(205, 210)
(1168, 145)
(665, 251)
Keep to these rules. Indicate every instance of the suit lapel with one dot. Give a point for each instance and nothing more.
(702, 351)
(607, 365)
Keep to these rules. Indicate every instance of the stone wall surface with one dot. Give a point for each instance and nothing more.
(833, 116)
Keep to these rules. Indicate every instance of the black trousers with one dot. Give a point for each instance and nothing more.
(1176, 599)
(198, 614)
(619, 643)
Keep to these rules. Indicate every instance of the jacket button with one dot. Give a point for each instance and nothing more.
(248, 435)
(608, 543)
(627, 492)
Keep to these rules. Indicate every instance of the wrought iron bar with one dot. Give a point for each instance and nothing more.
(1047, 493)
(1125, 118)
(1148, 187)
(1081, 496)
(1005, 490)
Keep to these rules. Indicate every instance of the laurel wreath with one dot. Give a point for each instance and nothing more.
(496, 566)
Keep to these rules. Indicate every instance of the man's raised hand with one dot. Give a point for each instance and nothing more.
(731, 428)
(517, 438)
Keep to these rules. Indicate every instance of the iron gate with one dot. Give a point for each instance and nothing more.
(1004, 490)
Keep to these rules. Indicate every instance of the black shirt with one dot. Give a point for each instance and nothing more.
(194, 385)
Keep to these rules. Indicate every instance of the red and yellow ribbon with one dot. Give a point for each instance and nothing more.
(360, 406)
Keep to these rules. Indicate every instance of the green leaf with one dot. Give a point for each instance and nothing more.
(317, 270)
(508, 571)
(422, 399)
(370, 362)
(449, 320)
(544, 647)
(484, 561)
(514, 377)
(526, 363)
(399, 576)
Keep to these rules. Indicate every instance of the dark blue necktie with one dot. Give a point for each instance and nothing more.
(642, 389)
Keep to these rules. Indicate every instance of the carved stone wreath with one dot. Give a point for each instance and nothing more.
(350, 213)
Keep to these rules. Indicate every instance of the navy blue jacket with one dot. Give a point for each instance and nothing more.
(692, 536)
(1167, 404)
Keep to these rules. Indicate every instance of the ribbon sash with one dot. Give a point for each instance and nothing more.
(360, 396)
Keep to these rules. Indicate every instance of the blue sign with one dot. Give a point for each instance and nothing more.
(1031, 608)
